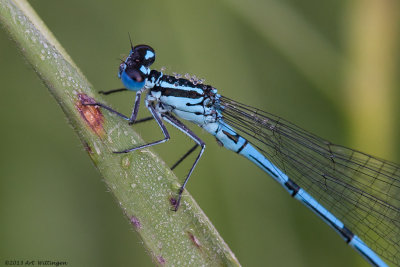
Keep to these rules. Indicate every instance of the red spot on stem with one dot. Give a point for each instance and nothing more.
(194, 239)
(90, 114)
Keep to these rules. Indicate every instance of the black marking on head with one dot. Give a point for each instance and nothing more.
(138, 57)
(292, 186)
(243, 146)
(234, 138)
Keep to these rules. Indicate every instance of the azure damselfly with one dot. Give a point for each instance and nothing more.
(358, 195)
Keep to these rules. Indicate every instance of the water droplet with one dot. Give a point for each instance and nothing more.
(125, 162)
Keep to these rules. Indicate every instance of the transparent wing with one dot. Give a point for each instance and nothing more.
(361, 190)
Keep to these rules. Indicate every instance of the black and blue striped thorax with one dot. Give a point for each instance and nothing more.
(189, 100)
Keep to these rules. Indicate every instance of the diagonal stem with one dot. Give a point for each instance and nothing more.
(142, 184)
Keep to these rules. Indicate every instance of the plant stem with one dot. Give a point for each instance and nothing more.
(142, 184)
(370, 96)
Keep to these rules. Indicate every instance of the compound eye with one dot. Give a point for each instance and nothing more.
(133, 79)
(122, 67)
(135, 75)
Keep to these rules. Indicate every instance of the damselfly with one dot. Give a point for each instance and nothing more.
(358, 195)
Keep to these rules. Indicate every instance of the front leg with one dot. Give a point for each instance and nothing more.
(156, 116)
(179, 125)
(135, 110)
(113, 91)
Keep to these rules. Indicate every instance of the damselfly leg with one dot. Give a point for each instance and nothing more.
(139, 120)
(132, 119)
(179, 125)
(184, 157)
(113, 91)
(162, 127)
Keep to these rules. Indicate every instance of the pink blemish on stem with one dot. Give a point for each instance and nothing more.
(161, 260)
(135, 222)
(90, 114)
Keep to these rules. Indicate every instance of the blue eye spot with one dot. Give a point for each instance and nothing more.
(149, 54)
(144, 70)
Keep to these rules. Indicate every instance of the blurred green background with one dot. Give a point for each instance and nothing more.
(330, 67)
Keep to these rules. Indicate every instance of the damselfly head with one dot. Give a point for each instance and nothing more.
(134, 70)
(133, 78)
(141, 55)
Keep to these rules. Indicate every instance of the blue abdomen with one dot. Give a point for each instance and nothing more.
(227, 137)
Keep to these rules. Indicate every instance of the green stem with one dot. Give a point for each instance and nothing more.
(141, 183)
(372, 29)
